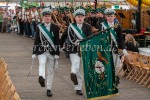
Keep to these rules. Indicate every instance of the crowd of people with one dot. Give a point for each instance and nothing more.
(24, 20)
(7, 20)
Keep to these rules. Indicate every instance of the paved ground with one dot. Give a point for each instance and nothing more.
(17, 51)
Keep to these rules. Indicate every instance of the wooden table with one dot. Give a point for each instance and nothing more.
(146, 38)
(146, 34)
(137, 36)
(144, 51)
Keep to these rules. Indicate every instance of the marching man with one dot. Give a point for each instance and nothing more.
(77, 31)
(46, 49)
(116, 32)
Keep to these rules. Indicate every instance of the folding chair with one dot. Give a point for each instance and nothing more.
(15, 96)
(2, 61)
(13, 90)
(9, 92)
(146, 68)
(3, 78)
(130, 65)
(7, 89)
(147, 82)
(137, 65)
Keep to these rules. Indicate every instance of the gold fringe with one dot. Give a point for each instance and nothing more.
(104, 97)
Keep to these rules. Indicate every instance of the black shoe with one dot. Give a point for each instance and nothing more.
(42, 81)
(49, 93)
(79, 92)
(67, 55)
(74, 78)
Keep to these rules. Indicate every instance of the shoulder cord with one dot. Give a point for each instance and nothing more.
(41, 38)
(102, 28)
(70, 33)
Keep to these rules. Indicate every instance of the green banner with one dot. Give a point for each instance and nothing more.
(98, 67)
(24, 3)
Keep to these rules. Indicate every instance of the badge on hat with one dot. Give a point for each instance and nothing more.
(46, 11)
(79, 12)
(93, 11)
(99, 10)
(109, 11)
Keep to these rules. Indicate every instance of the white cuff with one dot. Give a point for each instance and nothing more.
(56, 56)
(125, 52)
(34, 56)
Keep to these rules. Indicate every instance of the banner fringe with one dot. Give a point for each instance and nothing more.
(104, 97)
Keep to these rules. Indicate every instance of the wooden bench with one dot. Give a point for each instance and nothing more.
(7, 89)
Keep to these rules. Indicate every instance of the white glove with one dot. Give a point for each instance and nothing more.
(56, 57)
(62, 49)
(34, 56)
(77, 42)
(125, 53)
(55, 64)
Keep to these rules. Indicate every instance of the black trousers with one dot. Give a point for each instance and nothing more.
(0, 26)
(21, 25)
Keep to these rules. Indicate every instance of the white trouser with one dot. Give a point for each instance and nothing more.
(46, 60)
(75, 68)
(117, 60)
(18, 27)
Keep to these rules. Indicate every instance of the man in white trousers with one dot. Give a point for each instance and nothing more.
(77, 31)
(46, 48)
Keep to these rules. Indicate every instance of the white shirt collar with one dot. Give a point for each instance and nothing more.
(111, 24)
(80, 25)
(47, 25)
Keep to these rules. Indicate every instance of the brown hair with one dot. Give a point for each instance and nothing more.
(130, 38)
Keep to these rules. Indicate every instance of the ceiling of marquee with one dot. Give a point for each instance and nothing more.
(107, 2)
(64, 0)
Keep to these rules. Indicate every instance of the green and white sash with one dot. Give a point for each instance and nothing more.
(48, 35)
(79, 33)
(112, 32)
(113, 37)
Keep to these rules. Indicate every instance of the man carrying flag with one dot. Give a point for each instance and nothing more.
(46, 48)
(76, 32)
(98, 61)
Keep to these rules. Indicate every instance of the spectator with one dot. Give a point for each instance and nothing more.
(131, 44)
(1, 18)
(13, 21)
(5, 20)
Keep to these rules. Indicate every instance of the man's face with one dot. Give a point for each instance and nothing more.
(87, 15)
(12, 11)
(110, 18)
(62, 15)
(79, 19)
(47, 18)
(99, 15)
(68, 14)
(92, 14)
(19, 10)
(33, 9)
(55, 12)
